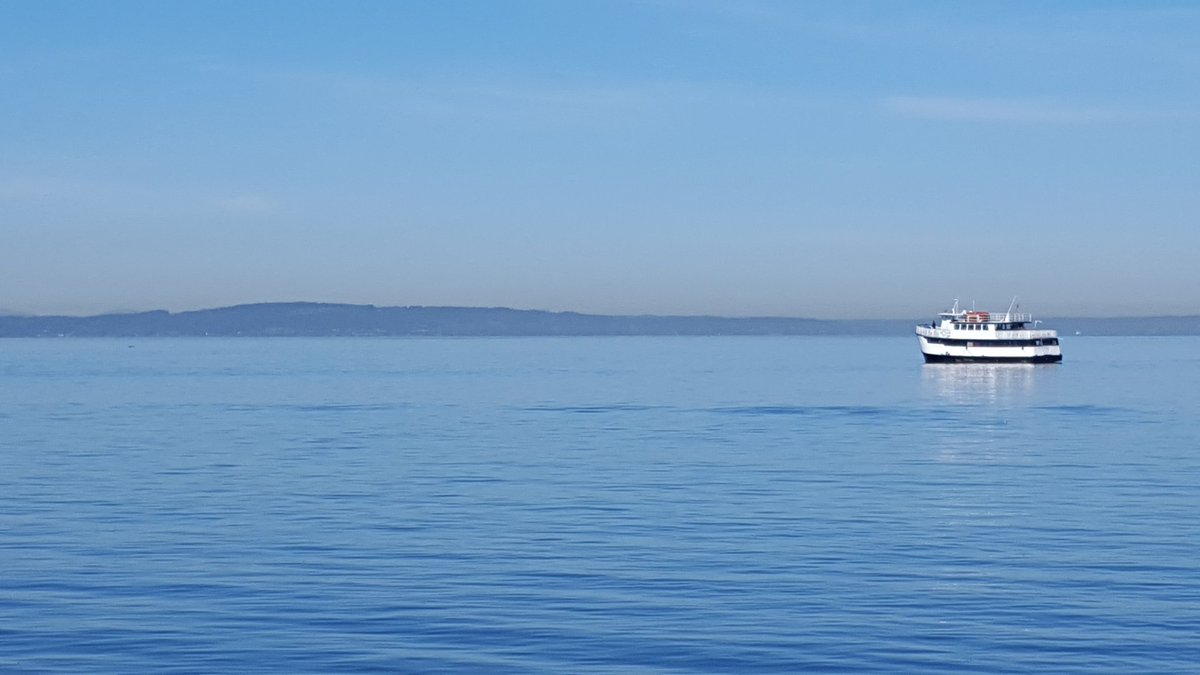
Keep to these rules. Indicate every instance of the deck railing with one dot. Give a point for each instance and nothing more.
(984, 336)
(1024, 334)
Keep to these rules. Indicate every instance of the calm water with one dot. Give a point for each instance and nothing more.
(596, 505)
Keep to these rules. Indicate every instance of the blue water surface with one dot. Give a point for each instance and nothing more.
(579, 505)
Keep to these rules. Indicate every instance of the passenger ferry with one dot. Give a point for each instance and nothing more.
(987, 337)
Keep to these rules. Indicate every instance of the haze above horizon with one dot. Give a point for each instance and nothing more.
(823, 159)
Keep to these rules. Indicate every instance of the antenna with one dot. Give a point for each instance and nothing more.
(1008, 314)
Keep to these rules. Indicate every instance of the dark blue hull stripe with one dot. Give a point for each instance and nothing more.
(1044, 358)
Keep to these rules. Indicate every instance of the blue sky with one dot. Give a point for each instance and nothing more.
(828, 159)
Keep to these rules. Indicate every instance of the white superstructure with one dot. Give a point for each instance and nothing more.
(972, 336)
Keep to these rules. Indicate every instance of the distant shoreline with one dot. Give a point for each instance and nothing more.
(311, 319)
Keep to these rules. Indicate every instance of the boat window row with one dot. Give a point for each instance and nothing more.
(983, 326)
(1044, 342)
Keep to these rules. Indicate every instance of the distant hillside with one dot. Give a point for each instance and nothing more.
(327, 320)
(1148, 325)
(320, 319)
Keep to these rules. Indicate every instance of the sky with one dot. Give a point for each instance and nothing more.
(835, 159)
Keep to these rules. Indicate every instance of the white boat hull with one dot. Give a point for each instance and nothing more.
(978, 352)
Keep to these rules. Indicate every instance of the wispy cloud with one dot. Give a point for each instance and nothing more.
(554, 97)
(245, 204)
(475, 95)
(1007, 110)
(96, 196)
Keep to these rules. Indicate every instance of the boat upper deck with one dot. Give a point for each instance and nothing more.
(980, 325)
(973, 316)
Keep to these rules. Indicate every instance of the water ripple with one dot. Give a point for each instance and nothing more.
(596, 506)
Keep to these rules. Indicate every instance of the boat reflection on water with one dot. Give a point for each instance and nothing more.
(982, 408)
(983, 383)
